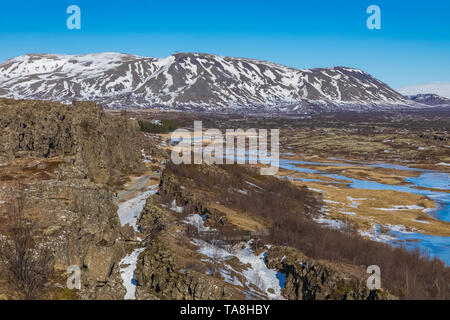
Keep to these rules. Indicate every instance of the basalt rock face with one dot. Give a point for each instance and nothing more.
(83, 229)
(105, 147)
(162, 269)
(76, 219)
(309, 279)
(168, 268)
(171, 186)
(159, 274)
(63, 162)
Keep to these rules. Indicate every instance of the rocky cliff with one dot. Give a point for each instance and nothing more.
(105, 148)
(64, 163)
(170, 267)
(309, 279)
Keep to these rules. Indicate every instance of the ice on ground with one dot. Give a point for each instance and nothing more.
(354, 203)
(127, 268)
(258, 274)
(375, 234)
(130, 210)
(316, 190)
(245, 192)
(253, 185)
(334, 224)
(229, 278)
(174, 207)
(146, 158)
(401, 207)
(197, 221)
(398, 228)
(438, 180)
(421, 221)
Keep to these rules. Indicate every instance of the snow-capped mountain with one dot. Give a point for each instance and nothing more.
(192, 81)
(430, 99)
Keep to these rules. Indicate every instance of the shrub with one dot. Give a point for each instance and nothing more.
(27, 263)
(165, 126)
(407, 274)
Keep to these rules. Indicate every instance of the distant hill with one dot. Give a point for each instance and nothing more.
(430, 99)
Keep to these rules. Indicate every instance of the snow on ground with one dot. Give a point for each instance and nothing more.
(316, 190)
(252, 184)
(146, 158)
(421, 221)
(398, 228)
(334, 224)
(127, 267)
(443, 164)
(354, 202)
(130, 210)
(375, 235)
(197, 221)
(258, 274)
(241, 191)
(401, 207)
(174, 207)
(330, 201)
(128, 213)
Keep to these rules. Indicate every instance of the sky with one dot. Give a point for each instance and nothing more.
(411, 48)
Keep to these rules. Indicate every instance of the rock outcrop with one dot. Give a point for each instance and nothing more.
(169, 268)
(67, 161)
(105, 147)
(309, 279)
(173, 189)
(306, 278)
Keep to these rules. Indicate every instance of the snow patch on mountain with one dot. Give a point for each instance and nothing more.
(192, 81)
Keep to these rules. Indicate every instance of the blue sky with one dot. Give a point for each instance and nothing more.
(412, 47)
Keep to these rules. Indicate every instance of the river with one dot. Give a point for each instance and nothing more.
(427, 183)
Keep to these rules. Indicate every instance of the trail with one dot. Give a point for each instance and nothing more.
(130, 204)
(138, 185)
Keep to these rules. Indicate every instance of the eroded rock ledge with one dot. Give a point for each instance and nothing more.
(65, 162)
(170, 268)
(309, 279)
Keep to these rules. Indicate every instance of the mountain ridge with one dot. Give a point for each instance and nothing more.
(431, 99)
(194, 81)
